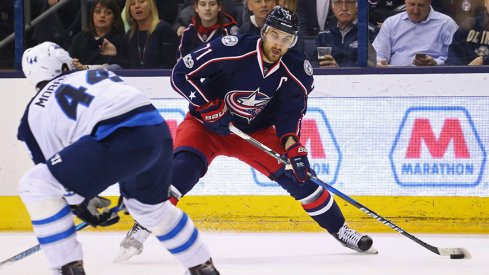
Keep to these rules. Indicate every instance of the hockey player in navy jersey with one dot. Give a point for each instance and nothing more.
(86, 131)
(261, 86)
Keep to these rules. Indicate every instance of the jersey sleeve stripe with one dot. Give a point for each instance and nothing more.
(210, 61)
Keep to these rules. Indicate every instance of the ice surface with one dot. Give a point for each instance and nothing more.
(267, 254)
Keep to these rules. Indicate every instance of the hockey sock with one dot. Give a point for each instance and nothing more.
(318, 202)
(321, 206)
(173, 228)
(187, 169)
(53, 226)
(51, 216)
(175, 195)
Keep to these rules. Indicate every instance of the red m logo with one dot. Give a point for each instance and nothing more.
(310, 132)
(451, 130)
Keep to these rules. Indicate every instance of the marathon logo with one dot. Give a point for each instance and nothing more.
(437, 146)
(323, 151)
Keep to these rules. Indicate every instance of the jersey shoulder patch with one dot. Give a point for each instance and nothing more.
(229, 40)
(308, 67)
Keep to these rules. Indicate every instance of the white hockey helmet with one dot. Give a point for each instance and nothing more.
(45, 62)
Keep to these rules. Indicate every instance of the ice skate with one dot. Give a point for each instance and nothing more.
(354, 240)
(73, 268)
(132, 244)
(206, 268)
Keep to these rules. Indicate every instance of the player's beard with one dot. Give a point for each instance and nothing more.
(270, 55)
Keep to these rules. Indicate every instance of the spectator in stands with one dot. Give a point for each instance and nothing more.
(6, 28)
(208, 23)
(419, 36)
(152, 43)
(460, 10)
(259, 9)
(167, 10)
(88, 47)
(470, 44)
(61, 26)
(342, 38)
(246, 13)
(186, 15)
(379, 10)
(314, 16)
(289, 4)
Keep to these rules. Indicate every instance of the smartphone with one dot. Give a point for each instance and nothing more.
(421, 55)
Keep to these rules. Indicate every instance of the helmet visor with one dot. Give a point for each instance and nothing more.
(274, 35)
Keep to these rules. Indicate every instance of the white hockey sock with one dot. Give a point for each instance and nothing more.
(51, 216)
(53, 226)
(173, 228)
(183, 241)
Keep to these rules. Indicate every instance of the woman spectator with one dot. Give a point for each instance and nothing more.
(152, 43)
(87, 48)
(187, 13)
(208, 23)
(60, 26)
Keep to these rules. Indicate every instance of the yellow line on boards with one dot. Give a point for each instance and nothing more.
(465, 215)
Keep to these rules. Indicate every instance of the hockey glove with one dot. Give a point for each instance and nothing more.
(216, 117)
(297, 155)
(88, 211)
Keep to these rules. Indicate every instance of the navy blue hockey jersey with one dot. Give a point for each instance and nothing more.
(232, 69)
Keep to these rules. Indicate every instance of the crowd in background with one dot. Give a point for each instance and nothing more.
(155, 33)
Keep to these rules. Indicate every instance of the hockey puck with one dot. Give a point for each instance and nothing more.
(457, 256)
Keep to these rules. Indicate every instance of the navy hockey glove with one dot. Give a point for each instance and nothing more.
(88, 211)
(216, 117)
(297, 155)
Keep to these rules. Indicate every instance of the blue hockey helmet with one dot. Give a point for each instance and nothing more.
(284, 20)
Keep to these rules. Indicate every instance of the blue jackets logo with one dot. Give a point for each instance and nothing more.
(437, 146)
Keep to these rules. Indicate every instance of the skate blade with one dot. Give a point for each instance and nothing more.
(371, 250)
(125, 254)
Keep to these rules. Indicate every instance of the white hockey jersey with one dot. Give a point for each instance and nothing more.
(70, 106)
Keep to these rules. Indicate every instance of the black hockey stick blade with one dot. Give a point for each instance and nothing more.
(454, 253)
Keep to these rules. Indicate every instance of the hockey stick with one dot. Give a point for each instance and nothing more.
(37, 247)
(454, 253)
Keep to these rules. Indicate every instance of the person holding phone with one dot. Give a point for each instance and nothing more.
(88, 47)
(422, 59)
(419, 36)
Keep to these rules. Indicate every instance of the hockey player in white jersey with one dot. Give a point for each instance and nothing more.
(87, 130)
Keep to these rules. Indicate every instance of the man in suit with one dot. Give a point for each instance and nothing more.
(314, 16)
